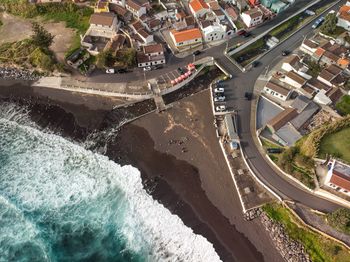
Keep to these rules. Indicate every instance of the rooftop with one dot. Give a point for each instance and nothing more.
(186, 35)
(156, 48)
(277, 88)
(198, 5)
(344, 12)
(282, 118)
(297, 78)
(105, 19)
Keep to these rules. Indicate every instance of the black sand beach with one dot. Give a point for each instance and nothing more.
(181, 175)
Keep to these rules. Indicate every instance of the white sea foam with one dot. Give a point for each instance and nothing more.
(48, 173)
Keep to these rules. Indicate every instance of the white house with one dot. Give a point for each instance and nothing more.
(136, 8)
(338, 177)
(309, 47)
(103, 28)
(146, 37)
(212, 31)
(186, 38)
(277, 91)
(103, 25)
(252, 17)
(151, 55)
(344, 16)
(198, 8)
(294, 79)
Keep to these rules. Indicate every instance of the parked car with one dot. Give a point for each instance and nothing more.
(318, 22)
(248, 96)
(247, 34)
(110, 71)
(180, 70)
(219, 99)
(255, 63)
(147, 68)
(242, 32)
(219, 90)
(155, 67)
(220, 108)
(197, 52)
(122, 70)
(285, 52)
(274, 150)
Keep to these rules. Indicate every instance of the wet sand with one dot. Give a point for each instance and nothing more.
(195, 185)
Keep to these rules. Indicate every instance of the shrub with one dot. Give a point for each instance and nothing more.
(340, 219)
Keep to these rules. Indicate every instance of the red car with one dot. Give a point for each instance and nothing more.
(242, 32)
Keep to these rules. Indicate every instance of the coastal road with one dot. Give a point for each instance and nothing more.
(244, 82)
(236, 87)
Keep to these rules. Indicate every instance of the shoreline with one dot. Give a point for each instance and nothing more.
(72, 119)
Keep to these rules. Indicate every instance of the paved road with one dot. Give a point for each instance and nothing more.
(242, 83)
(236, 87)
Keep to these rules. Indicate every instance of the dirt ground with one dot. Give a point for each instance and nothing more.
(16, 29)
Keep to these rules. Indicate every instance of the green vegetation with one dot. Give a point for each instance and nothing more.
(329, 24)
(74, 16)
(317, 246)
(31, 52)
(41, 37)
(314, 67)
(336, 144)
(340, 219)
(343, 106)
(298, 165)
(124, 58)
(286, 27)
(309, 146)
(249, 53)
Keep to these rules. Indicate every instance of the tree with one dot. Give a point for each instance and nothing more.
(329, 25)
(104, 59)
(340, 219)
(41, 37)
(127, 56)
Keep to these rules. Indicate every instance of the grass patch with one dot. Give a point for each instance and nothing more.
(318, 247)
(248, 54)
(26, 54)
(289, 25)
(343, 106)
(336, 144)
(72, 15)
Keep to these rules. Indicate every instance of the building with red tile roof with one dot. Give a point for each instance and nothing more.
(185, 38)
(198, 8)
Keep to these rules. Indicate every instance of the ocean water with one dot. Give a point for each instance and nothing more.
(60, 202)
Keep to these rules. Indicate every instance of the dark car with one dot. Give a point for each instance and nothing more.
(274, 150)
(180, 70)
(247, 34)
(285, 52)
(157, 67)
(248, 96)
(255, 63)
(197, 52)
(122, 70)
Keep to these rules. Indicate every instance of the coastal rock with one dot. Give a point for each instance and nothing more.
(252, 214)
(291, 250)
(17, 74)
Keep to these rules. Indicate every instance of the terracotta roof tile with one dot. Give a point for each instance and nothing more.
(198, 5)
(190, 34)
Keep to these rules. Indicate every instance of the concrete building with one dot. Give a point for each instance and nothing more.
(212, 31)
(344, 17)
(338, 177)
(294, 79)
(198, 8)
(137, 7)
(252, 17)
(187, 38)
(151, 55)
(277, 91)
(309, 47)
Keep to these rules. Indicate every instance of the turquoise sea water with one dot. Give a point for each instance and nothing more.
(60, 202)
